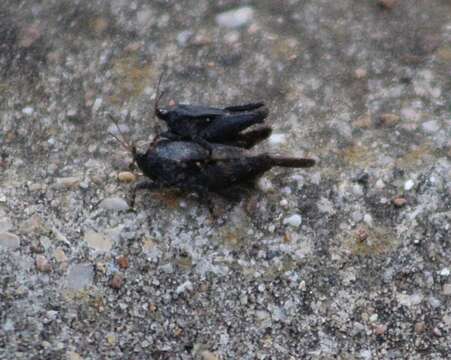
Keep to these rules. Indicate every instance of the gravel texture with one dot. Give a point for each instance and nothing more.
(350, 259)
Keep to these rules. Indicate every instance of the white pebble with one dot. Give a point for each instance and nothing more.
(284, 203)
(277, 139)
(97, 105)
(28, 110)
(444, 272)
(294, 220)
(235, 18)
(114, 203)
(408, 185)
(265, 185)
(188, 285)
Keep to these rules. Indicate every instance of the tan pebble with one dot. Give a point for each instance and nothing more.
(126, 177)
(59, 255)
(208, 355)
(420, 327)
(361, 234)
(122, 261)
(447, 289)
(388, 119)
(360, 73)
(399, 201)
(178, 331)
(42, 264)
(152, 307)
(72, 355)
(387, 4)
(101, 267)
(363, 121)
(117, 281)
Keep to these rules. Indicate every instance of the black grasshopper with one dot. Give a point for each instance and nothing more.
(188, 166)
(206, 125)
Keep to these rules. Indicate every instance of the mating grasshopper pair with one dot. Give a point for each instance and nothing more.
(205, 149)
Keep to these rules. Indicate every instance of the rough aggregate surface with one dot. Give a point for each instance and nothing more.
(350, 259)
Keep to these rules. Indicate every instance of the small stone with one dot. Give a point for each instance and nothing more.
(399, 201)
(117, 281)
(28, 110)
(5, 225)
(361, 234)
(186, 286)
(408, 185)
(420, 327)
(277, 139)
(184, 37)
(447, 289)
(373, 318)
(380, 329)
(388, 120)
(9, 241)
(59, 255)
(360, 73)
(294, 220)
(387, 4)
(68, 182)
(437, 332)
(72, 355)
(444, 272)
(79, 276)
(42, 264)
(97, 241)
(152, 307)
(126, 177)
(208, 355)
(431, 126)
(363, 121)
(122, 261)
(235, 18)
(284, 203)
(114, 203)
(265, 185)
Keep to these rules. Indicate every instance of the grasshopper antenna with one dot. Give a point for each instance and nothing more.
(158, 96)
(123, 141)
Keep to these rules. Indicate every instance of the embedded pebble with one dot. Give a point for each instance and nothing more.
(5, 225)
(277, 139)
(114, 203)
(399, 201)
(186, 286)
(360, 73)
(388, 119)
(431, 126)
(42, 264)
(420, 327)
(79, 276)
(97, 241)
(388, 4)
(408, 185)
(183, 37)
(207, 355)
(117, 281)
(265, 185)
(68, 182)
(59, 255)
(444, 272)
(410, 300)
(122, 261)
(123, 129)
(447, 289)
(294, 220)
(126, 177)
(28, 110)
(9, 241)
(361, 234)
(235, 18)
